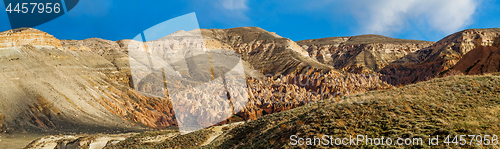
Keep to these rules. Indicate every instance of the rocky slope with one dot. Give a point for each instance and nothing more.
(49, 88)
(284, 92)
(27, 36)
(438, 58)
(480, 60)
(399, 61)
(87, 84)
(458, 105)
(364, 53)
(265, 51)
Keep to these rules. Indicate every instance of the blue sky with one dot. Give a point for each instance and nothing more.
(298, 20)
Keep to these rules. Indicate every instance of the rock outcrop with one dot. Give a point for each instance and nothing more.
(283, 92)
(439, 58)
(27, 36)
(89, 84)
(265, 51)
(45, 88)
(480, 60)
(364, 53)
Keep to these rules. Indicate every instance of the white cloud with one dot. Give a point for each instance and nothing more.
(391, 16)
(232, 12)
(234, 4)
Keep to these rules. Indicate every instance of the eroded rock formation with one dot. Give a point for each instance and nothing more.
(364, 53)
(89, 84)
(480, 60)
(265, 51)
(284, 92)
(437, 59)
(27, 36)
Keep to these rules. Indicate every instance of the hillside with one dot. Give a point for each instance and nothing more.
(62, 84)
(265, 51)
(457, 105)
(287, 87)
(480, 60)
(453, 105)
(361, 54)
(46, 87)
(436, 60)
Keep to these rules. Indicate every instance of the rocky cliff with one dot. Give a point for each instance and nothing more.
(265, 51)
(45, 88)
(284, 92)
(87, 84)
(438, 58)
(364, 53)
(480, 60)
(27, 36)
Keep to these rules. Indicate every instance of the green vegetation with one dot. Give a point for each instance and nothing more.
(361, 39)
(458, 105)
(136, 141)
(175, 140)
(368, 39)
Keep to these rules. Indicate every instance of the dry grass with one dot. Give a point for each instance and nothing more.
(459, 105)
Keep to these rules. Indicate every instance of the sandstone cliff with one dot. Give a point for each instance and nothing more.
(440, 57)
(61, 85)
(265, 51)
(283, 92)
(364, 53)
(46, 88)
(27, 36)
(480, 60)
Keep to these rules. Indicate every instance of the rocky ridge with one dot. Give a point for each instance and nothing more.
(437, 59)
(88, 84)
(364, 53)
(265, 51)
(284, 92)
(27, 36)
(480, 60)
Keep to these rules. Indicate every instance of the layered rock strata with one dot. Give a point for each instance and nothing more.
(89, 84)
(27, 36)
(439, 58)
(364, 53)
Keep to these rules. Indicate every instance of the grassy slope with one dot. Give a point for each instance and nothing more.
(361, 39)
(459, 105)
(190, 140)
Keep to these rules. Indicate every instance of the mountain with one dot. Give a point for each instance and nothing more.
(364, 53)
(435, 107)
(480, 60)
(399, 61)
(265, 51)
(87, 85)
(455, 105)
(437, 59)
(335, 86)
(46, 86)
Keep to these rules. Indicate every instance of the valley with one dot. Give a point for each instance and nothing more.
(367, 84)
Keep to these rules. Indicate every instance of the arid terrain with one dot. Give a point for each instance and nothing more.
(81, 93)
